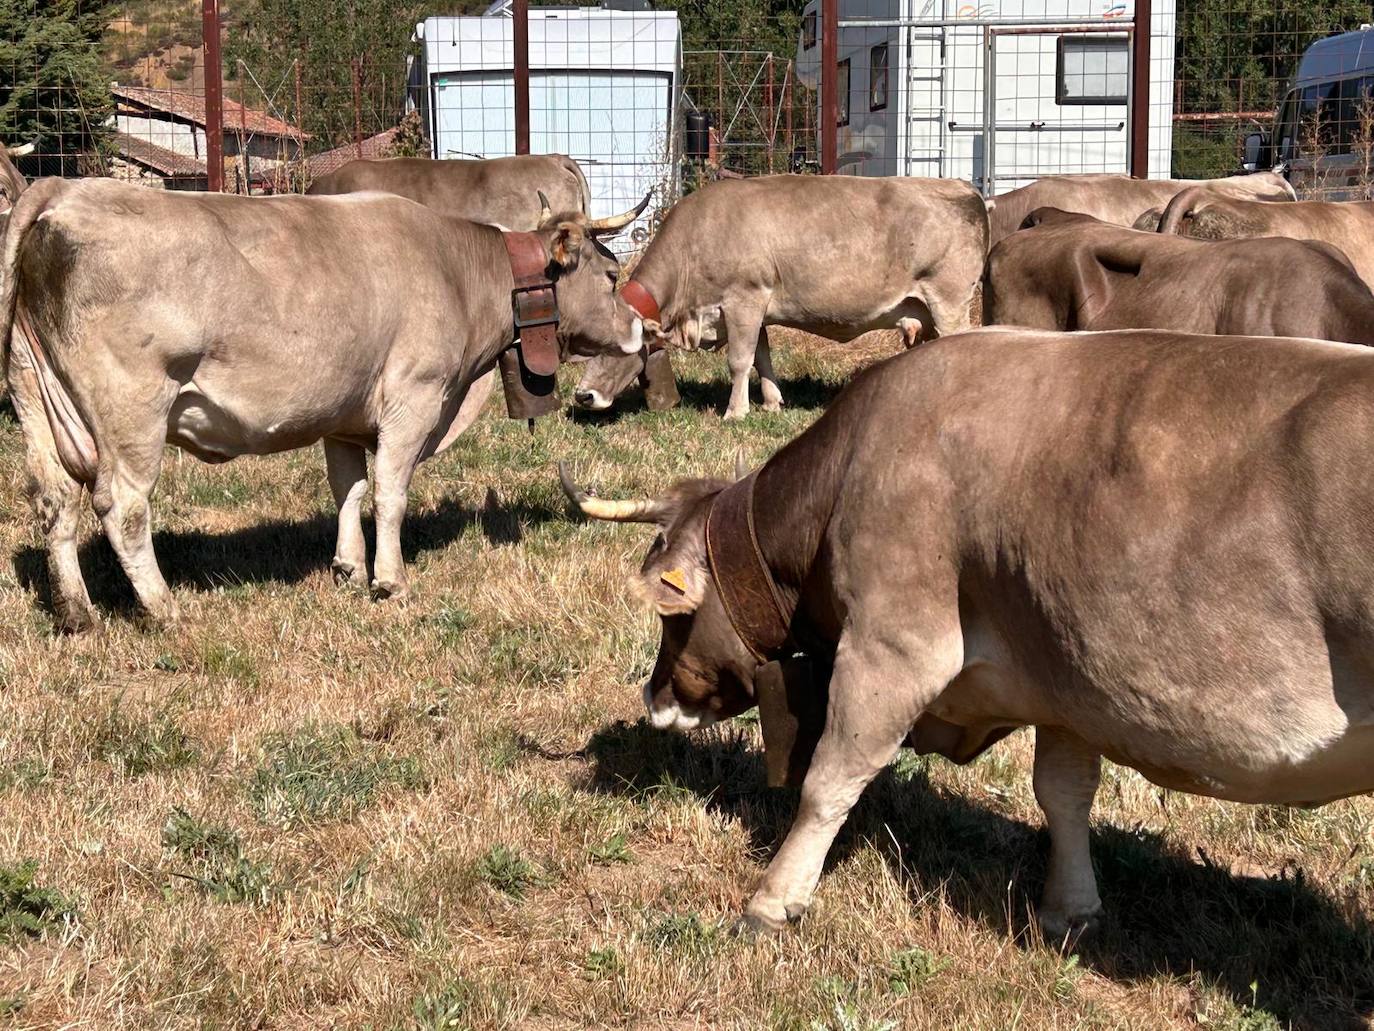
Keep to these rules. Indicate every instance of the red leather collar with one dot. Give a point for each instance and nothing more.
(742, 577)
(533, 302)
(637, 297)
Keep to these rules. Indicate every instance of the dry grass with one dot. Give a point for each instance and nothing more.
(302, 809)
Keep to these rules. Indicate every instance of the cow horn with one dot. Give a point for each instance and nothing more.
(645, 511)
(741, 464)
(21, 151)
(618, 222)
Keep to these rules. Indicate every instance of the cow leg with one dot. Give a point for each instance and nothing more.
(398, 453)
(123, 486)
(859, 740)
(768, 380)
(56, 500)
(347, 468)
(951, 315)
(742, 326)
(1066, 777)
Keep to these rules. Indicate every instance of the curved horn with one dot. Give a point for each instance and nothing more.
(618, 222)
(644, 511)
(545, 212)
(741, 463)
(21, 151)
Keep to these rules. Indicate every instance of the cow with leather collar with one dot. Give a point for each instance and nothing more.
(1150, 546)
(1070, 271)
(837, 256)
(372, 347)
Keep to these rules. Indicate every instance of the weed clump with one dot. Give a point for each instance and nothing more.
(29, 910)
(219, 867)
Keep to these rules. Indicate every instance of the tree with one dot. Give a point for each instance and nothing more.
(343, 50)
(54, 83)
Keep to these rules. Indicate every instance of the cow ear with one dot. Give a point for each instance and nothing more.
(566, 247)
(675, 587)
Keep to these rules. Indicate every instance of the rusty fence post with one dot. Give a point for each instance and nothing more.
(1140, 91)
(520, 14)
(358, 107)
(214, 95)
(772, 131)
(830, 74)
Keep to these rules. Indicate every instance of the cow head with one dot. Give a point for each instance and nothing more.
(592, 319)
(704, 672)
(12, 182)
(606, 377)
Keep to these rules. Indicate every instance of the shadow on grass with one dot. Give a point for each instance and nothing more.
(275, 551)
(806, 393)
(1311, 958)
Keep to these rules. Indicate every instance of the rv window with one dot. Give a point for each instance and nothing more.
(1353, 116)
(842, 91)
(1092, 70)
(877, 78)
(1318, 120)
(808, 30)
(1285, 133)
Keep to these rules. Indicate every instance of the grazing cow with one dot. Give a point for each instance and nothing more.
(498, 191)
(1151, 546)
(1070, 271)
(1119, 199)
(833, 255)
(1346, 225)
(234, 325)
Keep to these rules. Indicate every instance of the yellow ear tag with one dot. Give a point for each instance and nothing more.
(675, 579)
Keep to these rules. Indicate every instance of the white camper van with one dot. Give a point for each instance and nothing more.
(604, 88)
(916, 96)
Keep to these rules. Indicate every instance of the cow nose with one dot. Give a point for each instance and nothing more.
(583, 398)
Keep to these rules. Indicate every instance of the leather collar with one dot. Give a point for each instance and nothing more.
(638, 297)
(534, 303)
(746, 586)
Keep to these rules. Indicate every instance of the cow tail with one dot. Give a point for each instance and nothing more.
(23, 215)
(1180, 208)
(576, 170)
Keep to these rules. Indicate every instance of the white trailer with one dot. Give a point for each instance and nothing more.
(604, 89)
(915, 85)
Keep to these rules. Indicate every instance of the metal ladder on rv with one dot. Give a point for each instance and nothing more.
(936, 115)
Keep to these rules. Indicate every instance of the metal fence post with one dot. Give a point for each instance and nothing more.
(830, 73)
(1140, 91)
(214, 95)
(520, 13)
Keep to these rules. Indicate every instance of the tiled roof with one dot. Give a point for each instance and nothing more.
(191, 106)
(372, 147)
(159, 159)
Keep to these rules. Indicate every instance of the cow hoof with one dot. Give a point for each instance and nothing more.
(756, 925)
(164, 618)
(733, 415)
(77, 621)
(346, 574)
(772, 406)
(390, 590)
(1063, 929)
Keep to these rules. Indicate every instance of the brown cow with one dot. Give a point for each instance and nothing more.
(1150, 546)
(1070, 271)
(1119, 199)
(498, 191)
(1346, 225)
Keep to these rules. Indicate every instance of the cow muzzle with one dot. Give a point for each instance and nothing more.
(592, 400)
(672, 716)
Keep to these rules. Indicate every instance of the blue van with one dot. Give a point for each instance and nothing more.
(1325, 126)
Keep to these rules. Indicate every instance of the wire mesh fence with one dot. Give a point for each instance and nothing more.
(667, 96)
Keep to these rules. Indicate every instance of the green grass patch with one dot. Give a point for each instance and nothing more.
(612, 850)
(686, 934)
(507, 871)
(218, 866)
(912, 968)
(136, 745)
(27, 910)
(324, 773)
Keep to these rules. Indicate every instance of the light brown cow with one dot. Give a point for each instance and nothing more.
(498, 191)
(1147, 545)
(234, 325)
(1119, 199)
(837, 256)
(1070, 271)
(1346, 225)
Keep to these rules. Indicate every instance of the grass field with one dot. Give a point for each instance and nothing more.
(301, 809)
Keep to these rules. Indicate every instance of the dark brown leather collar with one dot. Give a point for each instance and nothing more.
(533, 302)
(741, 575)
